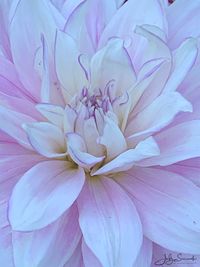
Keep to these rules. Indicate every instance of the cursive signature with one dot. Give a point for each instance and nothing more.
(168, 259)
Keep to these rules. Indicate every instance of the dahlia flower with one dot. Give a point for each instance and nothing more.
(99, 133)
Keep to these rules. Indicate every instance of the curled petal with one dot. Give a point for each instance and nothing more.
(145, 149)
(77, 150)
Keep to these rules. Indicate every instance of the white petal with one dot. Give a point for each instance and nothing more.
(114, 146)
(47, 139)
(145, 149)
(112, 64)
(77, 150)
(53, 113)
(71, 73)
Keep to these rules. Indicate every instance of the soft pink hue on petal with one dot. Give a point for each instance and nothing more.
(77, 151)
(21, 105)
(168, 205)
(11, 123)
(182, 16)
(50, 246)
(46, 185)
(190, 169)
(177, 143)
(157, 115)
(176, 259)
(145, 255)
(47, 139)
(76, 260)
(4, 34)
(9, 81)
(71, 73)
(145, 149)
(88, 257)
(12, 167)
(6, 252)
(183, 60)
(115, 227)
(189, 88)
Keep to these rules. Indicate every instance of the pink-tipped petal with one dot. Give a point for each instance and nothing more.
(115, 233)
(88, 257)
(145, 255)
(167, 202)
(46, 185)
(11, 123)
(177, 143)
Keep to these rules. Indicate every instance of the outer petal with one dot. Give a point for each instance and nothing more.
(88, 257)
(157, 115)
(47, 139)
(9, 80)
(76, 259)
(145, 256)
(20, 104)
(183, 60)
(12, 167)
(57, 182)
(169, 207)
(56, 243)
(182, 16)
(6, 252)
(11, 123)
(177, 143)
(115, 233)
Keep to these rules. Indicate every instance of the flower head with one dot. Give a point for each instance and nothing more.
(99, 132)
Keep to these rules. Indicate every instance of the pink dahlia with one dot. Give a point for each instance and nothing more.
(99, 133)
